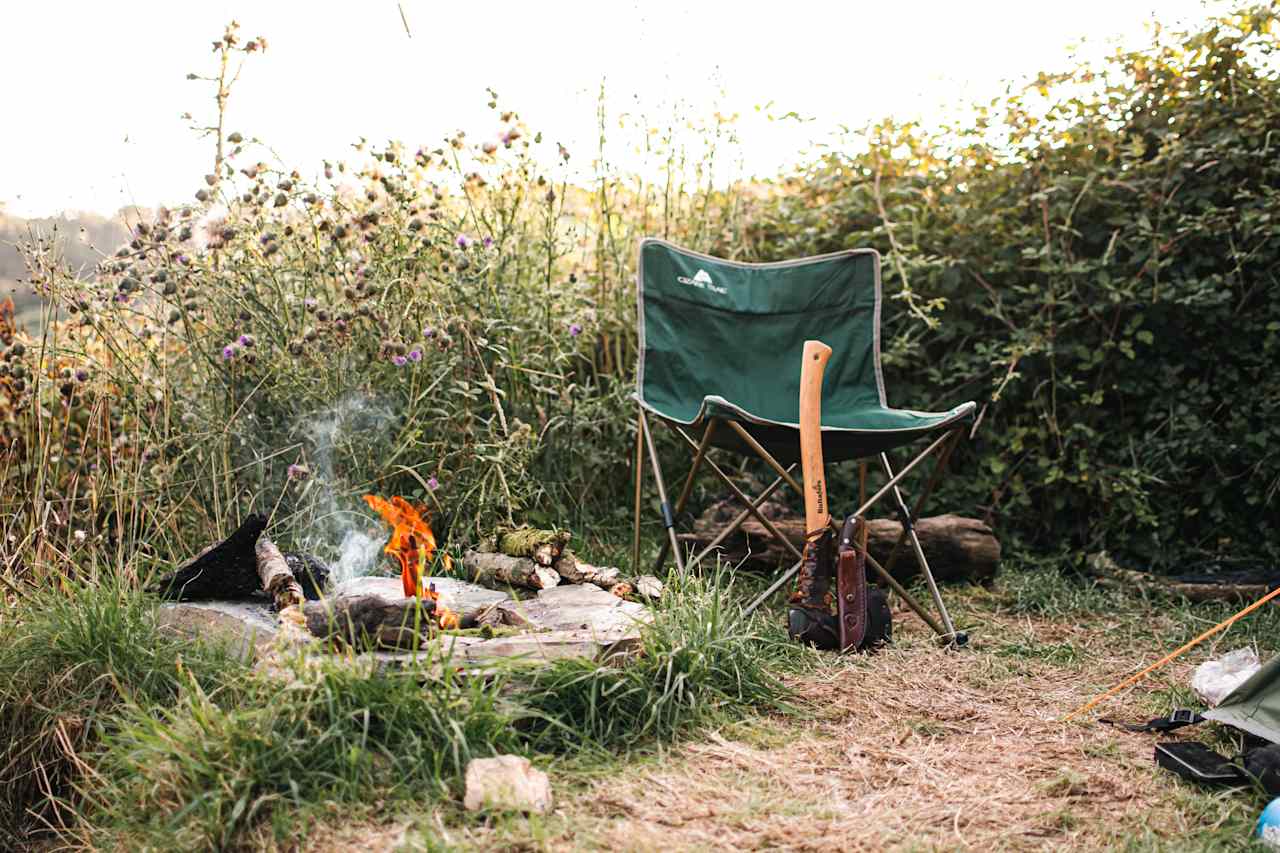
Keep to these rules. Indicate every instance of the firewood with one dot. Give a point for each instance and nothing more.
(1112, 575)
(957, 548)
(277, 581)
(225, 570)
(503, 570)
(573, 570)
(541, 546)
(371, 620)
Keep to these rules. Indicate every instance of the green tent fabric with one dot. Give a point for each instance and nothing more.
(1254, 706)
(723, 339)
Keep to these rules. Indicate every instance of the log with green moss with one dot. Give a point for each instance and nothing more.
(541, 546)
(500, 570)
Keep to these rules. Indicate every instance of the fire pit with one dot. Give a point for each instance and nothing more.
(244, 587)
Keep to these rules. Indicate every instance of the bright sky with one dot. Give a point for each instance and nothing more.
(94, 90)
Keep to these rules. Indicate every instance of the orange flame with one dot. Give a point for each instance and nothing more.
(412, 543)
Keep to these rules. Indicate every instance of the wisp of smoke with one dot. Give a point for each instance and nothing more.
(343, 439)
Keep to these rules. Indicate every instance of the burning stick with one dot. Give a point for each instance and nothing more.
(277, 579)
(412, 542)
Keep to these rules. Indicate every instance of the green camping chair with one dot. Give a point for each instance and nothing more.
(720, 344)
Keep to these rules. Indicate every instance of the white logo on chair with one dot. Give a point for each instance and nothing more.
(701, 280)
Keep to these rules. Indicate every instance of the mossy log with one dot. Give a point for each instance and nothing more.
(277, 580)
(541, 546)
(957, 548)
(499, 570)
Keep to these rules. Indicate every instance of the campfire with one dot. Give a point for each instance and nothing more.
(413, 544)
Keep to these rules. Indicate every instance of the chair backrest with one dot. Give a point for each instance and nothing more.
(723, 337)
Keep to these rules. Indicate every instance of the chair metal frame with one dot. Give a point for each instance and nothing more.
(940, 447)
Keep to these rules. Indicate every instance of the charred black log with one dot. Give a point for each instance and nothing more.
(227, 570)
(312, 574)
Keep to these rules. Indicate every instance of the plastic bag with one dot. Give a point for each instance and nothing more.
(1214, 679)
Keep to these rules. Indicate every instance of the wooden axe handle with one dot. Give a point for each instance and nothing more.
(816, 354)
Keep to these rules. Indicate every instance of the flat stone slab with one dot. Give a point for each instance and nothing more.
(457, 595)
(579, 608)
(249, 626)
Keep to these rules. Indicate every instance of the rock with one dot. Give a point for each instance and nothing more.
(457, 595)
(248, 626)
(584, 608)
(648, 587)
(506, 783)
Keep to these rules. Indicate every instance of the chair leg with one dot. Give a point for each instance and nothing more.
(667, 519)
(950, 636)
(728, 529)
(750, 505)
(703, 444)
(935, 476)
(639, 478)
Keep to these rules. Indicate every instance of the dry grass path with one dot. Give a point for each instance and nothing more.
(910, 749)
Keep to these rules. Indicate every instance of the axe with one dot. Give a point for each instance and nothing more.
(809, 618)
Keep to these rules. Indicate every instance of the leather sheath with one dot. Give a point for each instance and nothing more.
(851, 585)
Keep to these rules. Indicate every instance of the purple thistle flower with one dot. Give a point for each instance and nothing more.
(574, 330)
(428, 332)
(245, 340)
(415, 355)
(488, 242)
(298, 472)
(184, 260)
(229, 352)
(463, 241)
(433, 483)
(82, 375)
(399, 360)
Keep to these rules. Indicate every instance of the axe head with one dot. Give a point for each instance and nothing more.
(813, 627)
(809, 618)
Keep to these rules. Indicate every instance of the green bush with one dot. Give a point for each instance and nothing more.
(1096, 259)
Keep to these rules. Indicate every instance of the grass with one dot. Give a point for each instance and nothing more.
(719, 735)
(71, 658)
(914, 749)
(185, 746)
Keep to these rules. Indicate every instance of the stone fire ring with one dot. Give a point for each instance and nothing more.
(564, 621)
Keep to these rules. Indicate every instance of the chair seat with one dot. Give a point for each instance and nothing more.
(846, 433)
